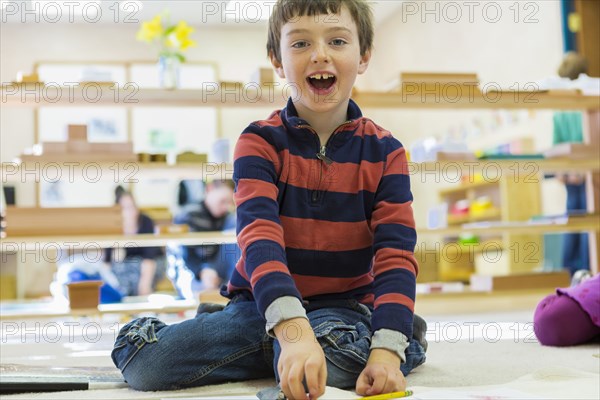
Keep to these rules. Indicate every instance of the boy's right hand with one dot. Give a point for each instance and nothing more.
(301, 357)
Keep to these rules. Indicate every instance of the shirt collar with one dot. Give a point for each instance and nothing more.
(289, 114)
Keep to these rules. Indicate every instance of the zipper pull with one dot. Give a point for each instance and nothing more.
(323, 157)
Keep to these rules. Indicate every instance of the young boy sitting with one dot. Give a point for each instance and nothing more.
(324, 291)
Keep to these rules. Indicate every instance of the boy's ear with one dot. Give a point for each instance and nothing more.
(364, 62)
(277, 65)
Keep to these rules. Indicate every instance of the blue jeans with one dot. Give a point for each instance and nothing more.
(232, 345)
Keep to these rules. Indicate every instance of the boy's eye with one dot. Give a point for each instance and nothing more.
(299, 45)
(338, 42)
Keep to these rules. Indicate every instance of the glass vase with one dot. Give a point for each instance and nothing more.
(168, 72)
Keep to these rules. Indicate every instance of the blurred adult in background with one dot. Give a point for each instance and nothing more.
(193, 269)
(136, 268)
(568, 127)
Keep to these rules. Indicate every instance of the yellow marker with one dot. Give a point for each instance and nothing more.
(387, 396)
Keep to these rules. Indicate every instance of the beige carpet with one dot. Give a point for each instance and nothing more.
(468, 353)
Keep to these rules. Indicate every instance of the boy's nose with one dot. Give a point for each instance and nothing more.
(320, 54)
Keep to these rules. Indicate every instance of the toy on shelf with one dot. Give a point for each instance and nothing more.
(482, 206)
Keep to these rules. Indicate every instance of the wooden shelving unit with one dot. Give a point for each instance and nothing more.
(251, 95)
(130, 172)
(15, 172)
(511, 200)
(33, 243)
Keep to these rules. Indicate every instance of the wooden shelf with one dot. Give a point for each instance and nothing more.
(452, 249)
(39, 310)
(493, 214)
(520, 168)
(36, 95)
(44, 243)
(129, 172)
(132, 171)
(576, 224)
(539, 100)
(467, 186)
(29, 243)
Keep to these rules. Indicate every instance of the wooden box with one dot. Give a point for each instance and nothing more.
(460, 78)
(263, 76)
(191, 157)
(534, 280)
(54, 147)
(572, 150)
(77, 133)
(84, 294)
(79, 146)
(231, 86)
(35, 221)
(121, 147)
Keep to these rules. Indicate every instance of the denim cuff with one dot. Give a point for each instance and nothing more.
(281, 309)
(390, 340)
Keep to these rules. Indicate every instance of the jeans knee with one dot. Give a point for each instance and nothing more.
(144, 377)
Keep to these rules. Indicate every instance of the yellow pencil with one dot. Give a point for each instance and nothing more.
(387, 396)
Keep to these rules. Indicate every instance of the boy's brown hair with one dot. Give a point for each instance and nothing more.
(286, 10)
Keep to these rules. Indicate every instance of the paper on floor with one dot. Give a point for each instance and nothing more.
(331, 393)
(481, 394)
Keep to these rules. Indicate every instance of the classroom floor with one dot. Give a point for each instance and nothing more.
(466, 352)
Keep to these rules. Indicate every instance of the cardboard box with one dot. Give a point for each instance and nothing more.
(84, 294)
(77, 133)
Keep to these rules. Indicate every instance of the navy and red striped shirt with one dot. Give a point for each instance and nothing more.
(335, 226)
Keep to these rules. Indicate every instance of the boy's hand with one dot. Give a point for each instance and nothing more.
(381, 375)
(301, 357)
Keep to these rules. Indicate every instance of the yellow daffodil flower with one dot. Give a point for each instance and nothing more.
(150, 30)
(172, 39)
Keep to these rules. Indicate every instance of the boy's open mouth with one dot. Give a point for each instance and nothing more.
(321, 81)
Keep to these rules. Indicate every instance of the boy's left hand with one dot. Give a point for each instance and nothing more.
(381, 375)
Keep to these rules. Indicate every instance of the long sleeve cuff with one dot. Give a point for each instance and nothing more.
(281, 309)
(390, 340)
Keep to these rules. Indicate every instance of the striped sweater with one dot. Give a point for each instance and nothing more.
(325, 221)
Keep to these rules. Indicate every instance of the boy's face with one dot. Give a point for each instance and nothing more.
(325, 46)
